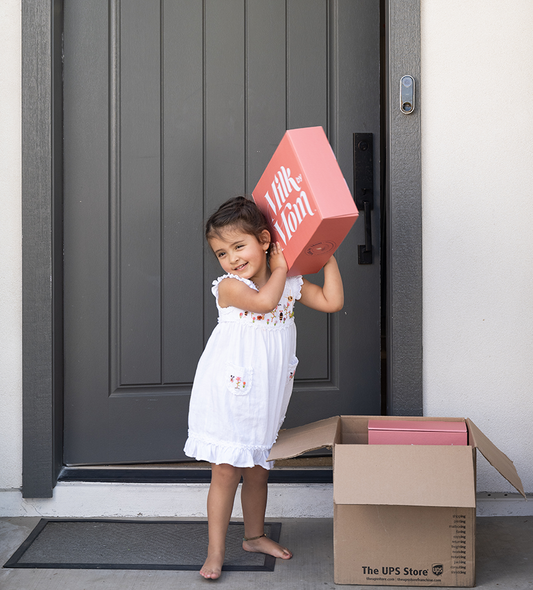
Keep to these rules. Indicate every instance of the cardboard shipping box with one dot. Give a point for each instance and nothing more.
(416, 432)
(404, 515)
(306, 199)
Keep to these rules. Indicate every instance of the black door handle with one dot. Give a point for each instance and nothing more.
(363, 183)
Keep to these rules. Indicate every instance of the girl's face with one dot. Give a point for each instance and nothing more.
(242, 254)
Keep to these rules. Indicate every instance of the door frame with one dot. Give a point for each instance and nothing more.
(42, 279)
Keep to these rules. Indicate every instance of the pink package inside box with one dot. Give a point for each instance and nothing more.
(306, 199)
(414, 432)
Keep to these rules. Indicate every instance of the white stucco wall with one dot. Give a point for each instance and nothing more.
(477, 162)
(477, 118)
(10, 249)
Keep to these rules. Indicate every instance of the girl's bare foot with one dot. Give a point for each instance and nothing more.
(212, 567)
(265, 545)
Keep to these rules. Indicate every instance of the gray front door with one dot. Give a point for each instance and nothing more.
(170, 108)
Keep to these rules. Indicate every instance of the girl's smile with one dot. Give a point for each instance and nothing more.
(242, 254)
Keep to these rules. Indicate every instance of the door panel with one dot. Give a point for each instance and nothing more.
(170, 108)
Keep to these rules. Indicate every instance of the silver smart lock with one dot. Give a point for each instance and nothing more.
(407, 95)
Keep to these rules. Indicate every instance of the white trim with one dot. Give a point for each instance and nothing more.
(117, 500)
(503, 504)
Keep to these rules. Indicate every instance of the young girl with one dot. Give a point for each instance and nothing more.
(244, 378)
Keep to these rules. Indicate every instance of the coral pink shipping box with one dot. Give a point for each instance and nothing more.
(306, 199)
(412, 432)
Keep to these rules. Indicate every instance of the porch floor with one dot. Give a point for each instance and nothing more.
(504, 562)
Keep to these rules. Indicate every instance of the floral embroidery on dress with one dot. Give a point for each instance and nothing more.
(237, 382)
(278, 316)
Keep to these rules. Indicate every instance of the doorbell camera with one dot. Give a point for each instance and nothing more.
(407, 95)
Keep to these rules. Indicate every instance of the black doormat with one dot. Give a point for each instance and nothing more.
(144, 545)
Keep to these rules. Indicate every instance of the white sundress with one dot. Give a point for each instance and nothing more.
(243, 382)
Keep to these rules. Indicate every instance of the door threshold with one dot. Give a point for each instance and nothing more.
(303, 470)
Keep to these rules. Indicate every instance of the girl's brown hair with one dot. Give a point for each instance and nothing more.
(238, 212)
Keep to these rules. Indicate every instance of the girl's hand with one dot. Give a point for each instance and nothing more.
(277, 259)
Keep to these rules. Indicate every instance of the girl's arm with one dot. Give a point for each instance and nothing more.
(329, 297)
(232, 292)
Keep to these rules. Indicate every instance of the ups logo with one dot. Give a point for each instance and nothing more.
(437, 569)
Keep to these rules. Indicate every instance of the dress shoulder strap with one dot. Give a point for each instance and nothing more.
(295, 284)
(216, 283)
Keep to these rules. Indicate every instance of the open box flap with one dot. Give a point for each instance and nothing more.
(297, 441)
(500, 461)
(404, 475)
